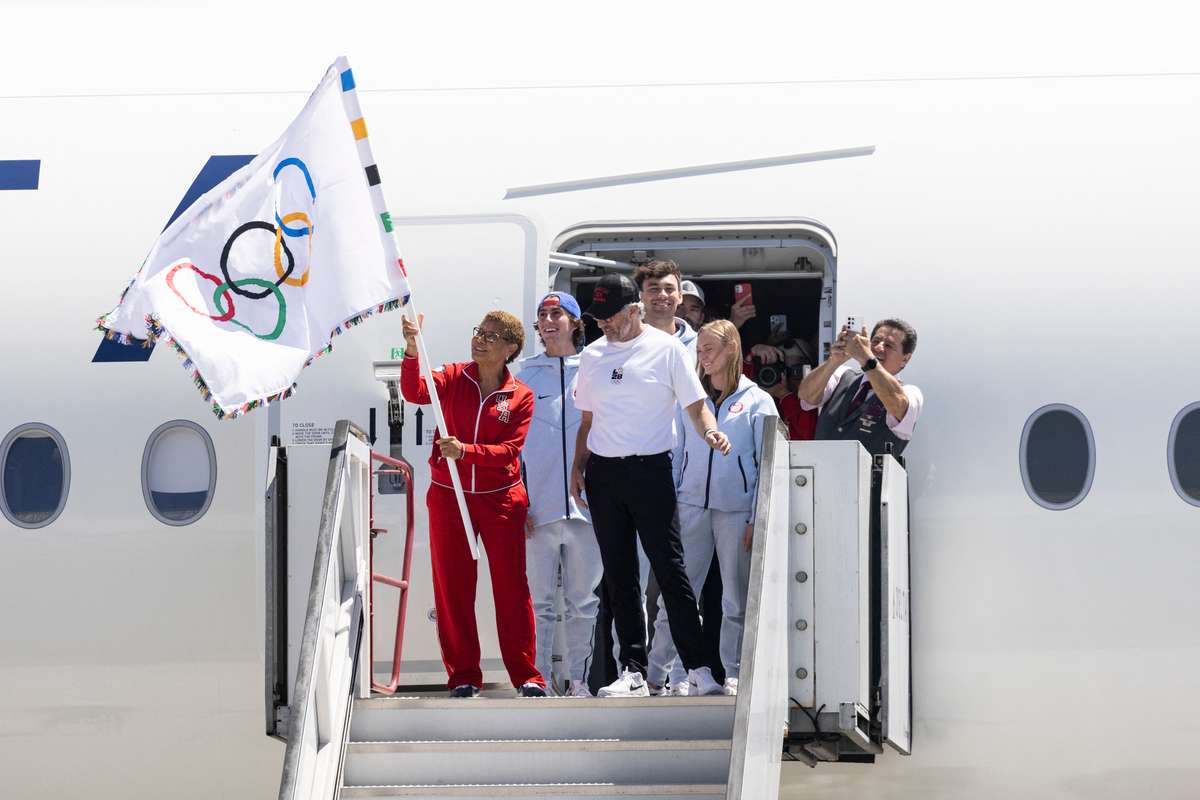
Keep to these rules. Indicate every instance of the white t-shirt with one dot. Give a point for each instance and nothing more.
(903, 428)
(632, 389)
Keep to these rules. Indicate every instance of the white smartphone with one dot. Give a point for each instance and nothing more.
(852, 323)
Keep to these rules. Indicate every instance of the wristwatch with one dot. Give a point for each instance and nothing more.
(870, 364)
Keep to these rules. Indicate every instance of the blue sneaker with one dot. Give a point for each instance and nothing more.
(532, 690)
(466, 690)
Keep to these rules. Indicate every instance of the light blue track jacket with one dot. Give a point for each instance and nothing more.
(550, 446)
(707, 479)
(687, 336)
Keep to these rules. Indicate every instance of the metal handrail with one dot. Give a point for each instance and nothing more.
(330, 670)
(760, 714)
(405, 469)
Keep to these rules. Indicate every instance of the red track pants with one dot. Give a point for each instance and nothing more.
(499, 520)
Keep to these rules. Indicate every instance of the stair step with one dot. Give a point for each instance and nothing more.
(542, 762)
(644, 718)
(543, 791)
(535, 745)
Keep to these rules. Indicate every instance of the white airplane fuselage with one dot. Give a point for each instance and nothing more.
(1040, 234)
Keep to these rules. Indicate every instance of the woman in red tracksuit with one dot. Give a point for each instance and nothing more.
(487, 414)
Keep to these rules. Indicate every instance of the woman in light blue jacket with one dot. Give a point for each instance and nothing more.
(716, 499)
(558, 532)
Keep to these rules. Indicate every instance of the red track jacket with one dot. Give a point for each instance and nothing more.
(492, 429)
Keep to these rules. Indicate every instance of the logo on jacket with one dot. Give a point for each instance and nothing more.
(502, 407)
(618, 375)
(737, 408)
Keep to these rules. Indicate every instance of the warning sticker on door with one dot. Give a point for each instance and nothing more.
(310, 434)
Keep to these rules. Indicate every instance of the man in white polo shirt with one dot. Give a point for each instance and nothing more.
(628, 385)
(870, 404)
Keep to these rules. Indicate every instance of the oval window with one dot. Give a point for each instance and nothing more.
(1058, 456)
(1183, 454)
(179, 472)
(37, 475)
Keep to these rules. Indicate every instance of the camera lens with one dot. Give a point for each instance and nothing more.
(768, 375)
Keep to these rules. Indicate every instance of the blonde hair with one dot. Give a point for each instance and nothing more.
(727, 332)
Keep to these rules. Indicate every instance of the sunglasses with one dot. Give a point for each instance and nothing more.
(490, 337)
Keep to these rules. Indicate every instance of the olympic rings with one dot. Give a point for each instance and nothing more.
(312, 191)
(293, 217)
(231, 283)
(228, 315)
(223, 296)
(268, 288)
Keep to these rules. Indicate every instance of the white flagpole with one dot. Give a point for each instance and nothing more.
(440, 421)
(355, 116)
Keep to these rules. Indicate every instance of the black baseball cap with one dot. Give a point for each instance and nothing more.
(612, 293)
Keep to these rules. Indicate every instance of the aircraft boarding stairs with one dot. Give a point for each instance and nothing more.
(837, 690)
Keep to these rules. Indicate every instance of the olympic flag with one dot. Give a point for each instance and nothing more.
(254, 279)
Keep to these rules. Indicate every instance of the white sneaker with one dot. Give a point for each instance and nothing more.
(658, 691)
(578, 689)
(702, 683)
(679, 689)
(731, 686)
(630, 684)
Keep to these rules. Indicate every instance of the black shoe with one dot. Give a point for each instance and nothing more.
(466, 690)
(532, 690)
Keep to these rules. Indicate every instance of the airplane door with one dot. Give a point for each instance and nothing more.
(459, 268)
(895, 631)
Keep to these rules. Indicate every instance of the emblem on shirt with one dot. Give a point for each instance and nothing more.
(502, 407)
(736, 408)
(618, 375)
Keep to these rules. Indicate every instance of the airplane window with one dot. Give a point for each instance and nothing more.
(179, 472)
(37, 475)
(1184, 454)
(1058, 456)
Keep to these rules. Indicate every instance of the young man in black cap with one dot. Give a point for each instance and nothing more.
(628, 385)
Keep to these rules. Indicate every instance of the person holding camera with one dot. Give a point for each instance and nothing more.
(779, 369)
(869, 404)
(717, 498)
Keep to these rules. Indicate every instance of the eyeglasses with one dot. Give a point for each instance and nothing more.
(491, 337)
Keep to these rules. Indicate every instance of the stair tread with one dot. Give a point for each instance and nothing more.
(557, 703)
(516, 744)
(516, 789)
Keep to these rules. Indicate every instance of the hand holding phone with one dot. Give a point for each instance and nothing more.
(743, 305)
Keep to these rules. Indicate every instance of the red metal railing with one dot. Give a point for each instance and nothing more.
(402, 583)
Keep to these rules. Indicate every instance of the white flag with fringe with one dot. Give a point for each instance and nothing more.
(254, 279)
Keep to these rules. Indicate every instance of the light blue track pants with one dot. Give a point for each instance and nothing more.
(706, 531)
(570, 543)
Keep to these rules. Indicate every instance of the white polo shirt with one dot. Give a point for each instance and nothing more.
(903, 428)
(632, 389)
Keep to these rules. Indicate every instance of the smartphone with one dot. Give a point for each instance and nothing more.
(852, 323)
(778, 324)
(741, 291)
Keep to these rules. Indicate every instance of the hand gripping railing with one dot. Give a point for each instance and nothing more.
(761, 715)
(403, 469)
(332, 666)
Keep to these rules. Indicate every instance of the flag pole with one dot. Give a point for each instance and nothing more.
(440, 421)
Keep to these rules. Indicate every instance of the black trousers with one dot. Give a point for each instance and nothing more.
(632, 497)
